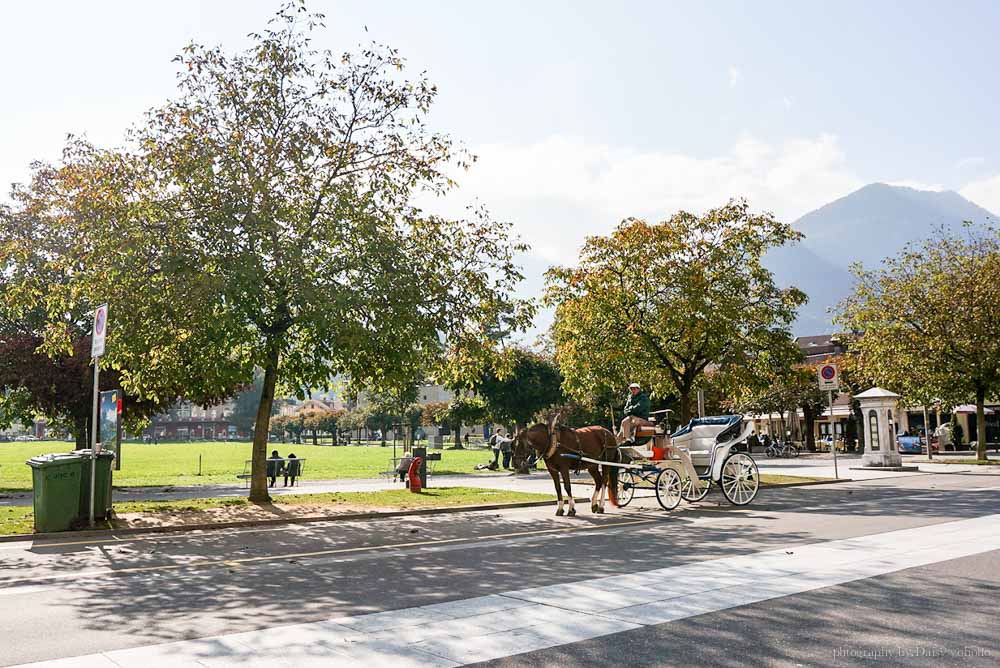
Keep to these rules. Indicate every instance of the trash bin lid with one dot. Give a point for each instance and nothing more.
(86, 453)
(54, 459)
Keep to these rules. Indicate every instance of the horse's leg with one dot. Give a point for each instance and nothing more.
(555, 481)
(595, 498)
(569, 490)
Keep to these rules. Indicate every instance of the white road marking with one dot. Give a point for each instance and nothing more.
(499, 625)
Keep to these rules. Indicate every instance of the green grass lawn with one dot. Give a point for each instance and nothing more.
(177, 463)
(19, 520)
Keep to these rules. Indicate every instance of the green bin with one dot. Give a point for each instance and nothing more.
(102, 485)
(57, 480)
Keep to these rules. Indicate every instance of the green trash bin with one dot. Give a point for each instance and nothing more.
(102, 485)
(56, 482)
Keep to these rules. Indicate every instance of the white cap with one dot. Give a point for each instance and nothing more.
(635, 385)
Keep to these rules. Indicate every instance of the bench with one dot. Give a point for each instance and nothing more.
(298, 465)
(398, 466)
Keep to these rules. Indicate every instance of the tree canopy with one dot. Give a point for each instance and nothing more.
(531, 384)
(926, 324)
(658, 303)
(263, 218)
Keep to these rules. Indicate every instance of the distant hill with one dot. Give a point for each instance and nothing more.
(866, 226)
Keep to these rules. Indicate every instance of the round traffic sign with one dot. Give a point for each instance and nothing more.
(828, 372)
(100, 320)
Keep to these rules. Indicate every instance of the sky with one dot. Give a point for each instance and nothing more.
(581, 113)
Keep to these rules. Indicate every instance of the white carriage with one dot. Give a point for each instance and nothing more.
(699, 454)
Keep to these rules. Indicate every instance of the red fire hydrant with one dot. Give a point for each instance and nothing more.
(413, 475)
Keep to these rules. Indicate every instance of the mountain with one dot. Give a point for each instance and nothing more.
(866, 226)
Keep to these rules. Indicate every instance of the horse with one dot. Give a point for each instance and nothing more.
(551, 441)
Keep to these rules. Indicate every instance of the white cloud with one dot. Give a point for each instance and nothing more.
(735, 76)
(985, 193)
(787, 102)
(562, 189)
(970, 162)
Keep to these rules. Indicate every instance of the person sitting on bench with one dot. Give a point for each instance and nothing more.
(274, 466)
(293, 469)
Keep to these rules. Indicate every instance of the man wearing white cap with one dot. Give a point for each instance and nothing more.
(636, 413)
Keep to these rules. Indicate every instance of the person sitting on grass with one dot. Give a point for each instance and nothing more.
(293, 469)
(275, 464)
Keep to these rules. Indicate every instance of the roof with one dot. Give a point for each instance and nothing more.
(818, 347)
(877, 393)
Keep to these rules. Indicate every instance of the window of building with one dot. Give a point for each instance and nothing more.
(873, 428)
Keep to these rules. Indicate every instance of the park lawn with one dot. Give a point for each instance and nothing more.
(176, 464)
(19, 520)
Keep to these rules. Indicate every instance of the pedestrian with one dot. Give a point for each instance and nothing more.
(766, 441)
(274, 466)
(495, 445)
(293, 468)
(507, 448)
(466, 439)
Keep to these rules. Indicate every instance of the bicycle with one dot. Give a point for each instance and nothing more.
(782, 449)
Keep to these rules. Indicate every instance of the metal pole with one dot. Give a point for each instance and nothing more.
(93, 438)
(927, 433)
(833, 436)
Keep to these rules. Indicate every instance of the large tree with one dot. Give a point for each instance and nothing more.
(927, 322)
(530, 384)
(658, 303)
(262, 219)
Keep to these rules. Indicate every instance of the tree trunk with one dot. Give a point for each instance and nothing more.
(981, 423)
(810, 418)
(458, 436)
(315, 434)
(685, 406)
(258, 471)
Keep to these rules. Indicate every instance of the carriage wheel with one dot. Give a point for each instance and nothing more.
(691, 495)
(740, 480)
(669, 489)
(626, 487)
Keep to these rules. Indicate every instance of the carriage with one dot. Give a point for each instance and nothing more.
(686, 463)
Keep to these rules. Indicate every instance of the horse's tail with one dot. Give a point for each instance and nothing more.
(611, 475)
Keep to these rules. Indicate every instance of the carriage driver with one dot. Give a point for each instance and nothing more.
(636, 413)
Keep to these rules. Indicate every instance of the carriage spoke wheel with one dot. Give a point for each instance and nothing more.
(669, 489)
(626, 487)
(740, 480)
(692, 495)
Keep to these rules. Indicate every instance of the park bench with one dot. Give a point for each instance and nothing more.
(298, 464)
(398, 466)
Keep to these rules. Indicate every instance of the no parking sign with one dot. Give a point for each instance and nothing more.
(829, 377)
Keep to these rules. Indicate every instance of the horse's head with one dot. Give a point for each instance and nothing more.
(535, 440)
(523, 448)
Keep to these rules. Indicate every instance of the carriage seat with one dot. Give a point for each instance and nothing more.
(634, 453)
(647, 432)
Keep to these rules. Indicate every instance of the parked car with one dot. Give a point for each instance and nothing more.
(913, 445)
(25, 437)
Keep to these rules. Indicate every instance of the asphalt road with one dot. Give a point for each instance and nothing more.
(71, 597)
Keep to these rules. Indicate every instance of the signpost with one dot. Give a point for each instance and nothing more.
(96, 350)
(829, 380)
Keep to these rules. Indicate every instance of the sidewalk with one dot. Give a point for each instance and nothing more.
(815, 466)
(536, 482)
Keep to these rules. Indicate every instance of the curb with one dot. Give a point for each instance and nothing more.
(346, 517)
(808, 483)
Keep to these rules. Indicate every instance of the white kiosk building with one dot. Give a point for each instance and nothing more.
(879, 410)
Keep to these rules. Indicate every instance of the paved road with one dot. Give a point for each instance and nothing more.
(792, 579)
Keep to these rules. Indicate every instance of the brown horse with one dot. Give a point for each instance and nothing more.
(550, 442)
